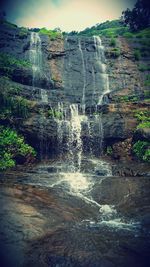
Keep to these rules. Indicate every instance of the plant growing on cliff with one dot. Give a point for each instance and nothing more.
(109, 151)
(142, 150)
(53, 113)
(113, 53)
(53, 34)
(13, 146)
(113, 42)
(8, 63)
(143, 118)
(12, 104)
(137, 54)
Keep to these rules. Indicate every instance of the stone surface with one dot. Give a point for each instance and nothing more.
(69, 66)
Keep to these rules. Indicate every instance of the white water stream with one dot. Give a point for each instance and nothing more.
(37, 63)
(100, 57)
(84, 77)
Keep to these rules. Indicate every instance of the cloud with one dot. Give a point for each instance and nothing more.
(66, 14)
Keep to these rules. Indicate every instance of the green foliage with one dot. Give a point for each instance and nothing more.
(145, 124)
(147, 93)
(109, 151)
(53, 34)
(142, 116)
(143, 67)
(113, 53)
(12, 145)
(113, 42)
(137, 54)
(53, 113)
(8, 63)
(142, 150)
(138, 17)
(23, 33)
(128, 35)
(109, 29)
(11, 104)
(147, 83)
(130, 98)
(143, 33)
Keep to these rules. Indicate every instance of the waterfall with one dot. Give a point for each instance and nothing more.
(100, 57)
(103, 86)
(37, 63)
(75, 142)
(35, 55)
(84, 77)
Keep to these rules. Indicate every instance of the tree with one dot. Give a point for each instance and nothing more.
(139, 17)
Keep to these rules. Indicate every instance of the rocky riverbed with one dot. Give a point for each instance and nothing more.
(51, 217)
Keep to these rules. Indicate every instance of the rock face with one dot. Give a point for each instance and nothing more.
(75, 70)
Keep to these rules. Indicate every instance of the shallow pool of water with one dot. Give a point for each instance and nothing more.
(57, 218)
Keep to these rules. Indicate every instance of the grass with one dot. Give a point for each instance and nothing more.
(12, 104)
(143, 67)
(51, 33)
(8, 63)
(142, 150)
(113, 53)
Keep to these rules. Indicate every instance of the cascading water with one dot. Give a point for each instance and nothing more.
(69, 120)
(35, 55)
(104, 85)
(100, 57)
(84, 77)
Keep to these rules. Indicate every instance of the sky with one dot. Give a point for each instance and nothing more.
(66, 14)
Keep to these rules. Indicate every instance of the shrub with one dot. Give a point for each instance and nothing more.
(137, 55)
(128, 35)
(142, 116)
(12, 145)
(142, 150)
(51, 33)
(11, 104)
(109, 151)
(53, 113)
(23, 33)
(113, 53)
(147, 82)
(143, 67)
(113, 42)
(145, 124)
(8, 63)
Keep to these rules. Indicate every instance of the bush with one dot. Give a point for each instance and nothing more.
(145, 124)
(11, 104)
(109, 151)
(142, 150)
(113, 42)
(143, 67)
(113, 53)
(52, 34)
(128, 35)
(147, 82)
(137, 55)
(12, 146)
(53, 113)
(142, 116)
(23, 33)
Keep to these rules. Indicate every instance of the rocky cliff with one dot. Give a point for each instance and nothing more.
(103, 81)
